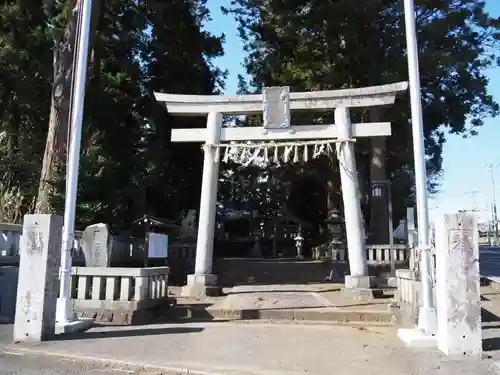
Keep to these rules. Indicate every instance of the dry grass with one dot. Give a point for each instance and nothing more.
(11, 202)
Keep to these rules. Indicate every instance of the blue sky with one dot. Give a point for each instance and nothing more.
(464, 159)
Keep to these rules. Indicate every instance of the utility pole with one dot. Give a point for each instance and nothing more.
(427, 319)
(494, 216)
(64, 312)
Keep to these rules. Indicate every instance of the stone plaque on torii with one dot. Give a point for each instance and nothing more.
(279, 141)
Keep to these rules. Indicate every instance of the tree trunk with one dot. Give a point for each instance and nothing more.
(379, 221)
(54, 157)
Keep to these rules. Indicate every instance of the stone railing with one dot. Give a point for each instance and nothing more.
(376, 254)
(407, 298)
(10, 237)
(407, 287)
(124, 249)
(119, 289)
(182, 251)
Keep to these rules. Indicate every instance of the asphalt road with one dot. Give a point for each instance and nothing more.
(14, 363)
(27, 364)
(489, 261)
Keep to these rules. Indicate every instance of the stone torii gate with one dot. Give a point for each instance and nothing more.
(280, 137)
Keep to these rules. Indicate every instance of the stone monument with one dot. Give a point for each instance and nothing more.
(38, 285)
(96, 245)
(457, 286)
(188, 229)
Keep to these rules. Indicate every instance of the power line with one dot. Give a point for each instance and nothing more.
(473, 193)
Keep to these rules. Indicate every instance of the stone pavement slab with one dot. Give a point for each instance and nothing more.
(314, 302)
(272, 297)
(257, 349)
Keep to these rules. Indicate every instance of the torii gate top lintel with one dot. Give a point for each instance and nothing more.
(276, 103)
(189, 105)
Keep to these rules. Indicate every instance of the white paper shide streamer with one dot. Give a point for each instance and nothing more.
(273, 152)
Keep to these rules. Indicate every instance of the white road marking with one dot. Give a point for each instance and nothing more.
(12, 353)
(115, 370)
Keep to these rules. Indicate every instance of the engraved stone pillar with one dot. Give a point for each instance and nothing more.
(40, 257)
(457, 286)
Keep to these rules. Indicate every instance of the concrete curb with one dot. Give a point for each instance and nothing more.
(490, 281)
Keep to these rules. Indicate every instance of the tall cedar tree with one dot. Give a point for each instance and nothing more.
(128, 164)
(331, 44)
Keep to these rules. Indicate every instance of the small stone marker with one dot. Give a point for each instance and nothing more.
(96, 245)
(457, 286)
(38, 285)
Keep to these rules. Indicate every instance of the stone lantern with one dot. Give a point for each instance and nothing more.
(337, 249)
(299, 242)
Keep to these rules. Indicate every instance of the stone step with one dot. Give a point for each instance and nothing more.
(329, 314)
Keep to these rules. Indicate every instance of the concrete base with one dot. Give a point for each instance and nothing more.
(427, 320)
(74, 326)
(64, 310)
(359, 282)
(201, 286)
(415, 338)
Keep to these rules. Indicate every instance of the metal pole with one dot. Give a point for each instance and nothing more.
(495, 217)
(474, 200)
(488, 233)
(427, 313)
(64, 309)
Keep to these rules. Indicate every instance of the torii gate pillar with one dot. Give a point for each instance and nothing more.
(358, 279)
(203, 282)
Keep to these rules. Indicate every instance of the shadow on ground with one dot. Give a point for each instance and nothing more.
(491, 344)
(490, 330)
(234, 292)
(128, 333)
